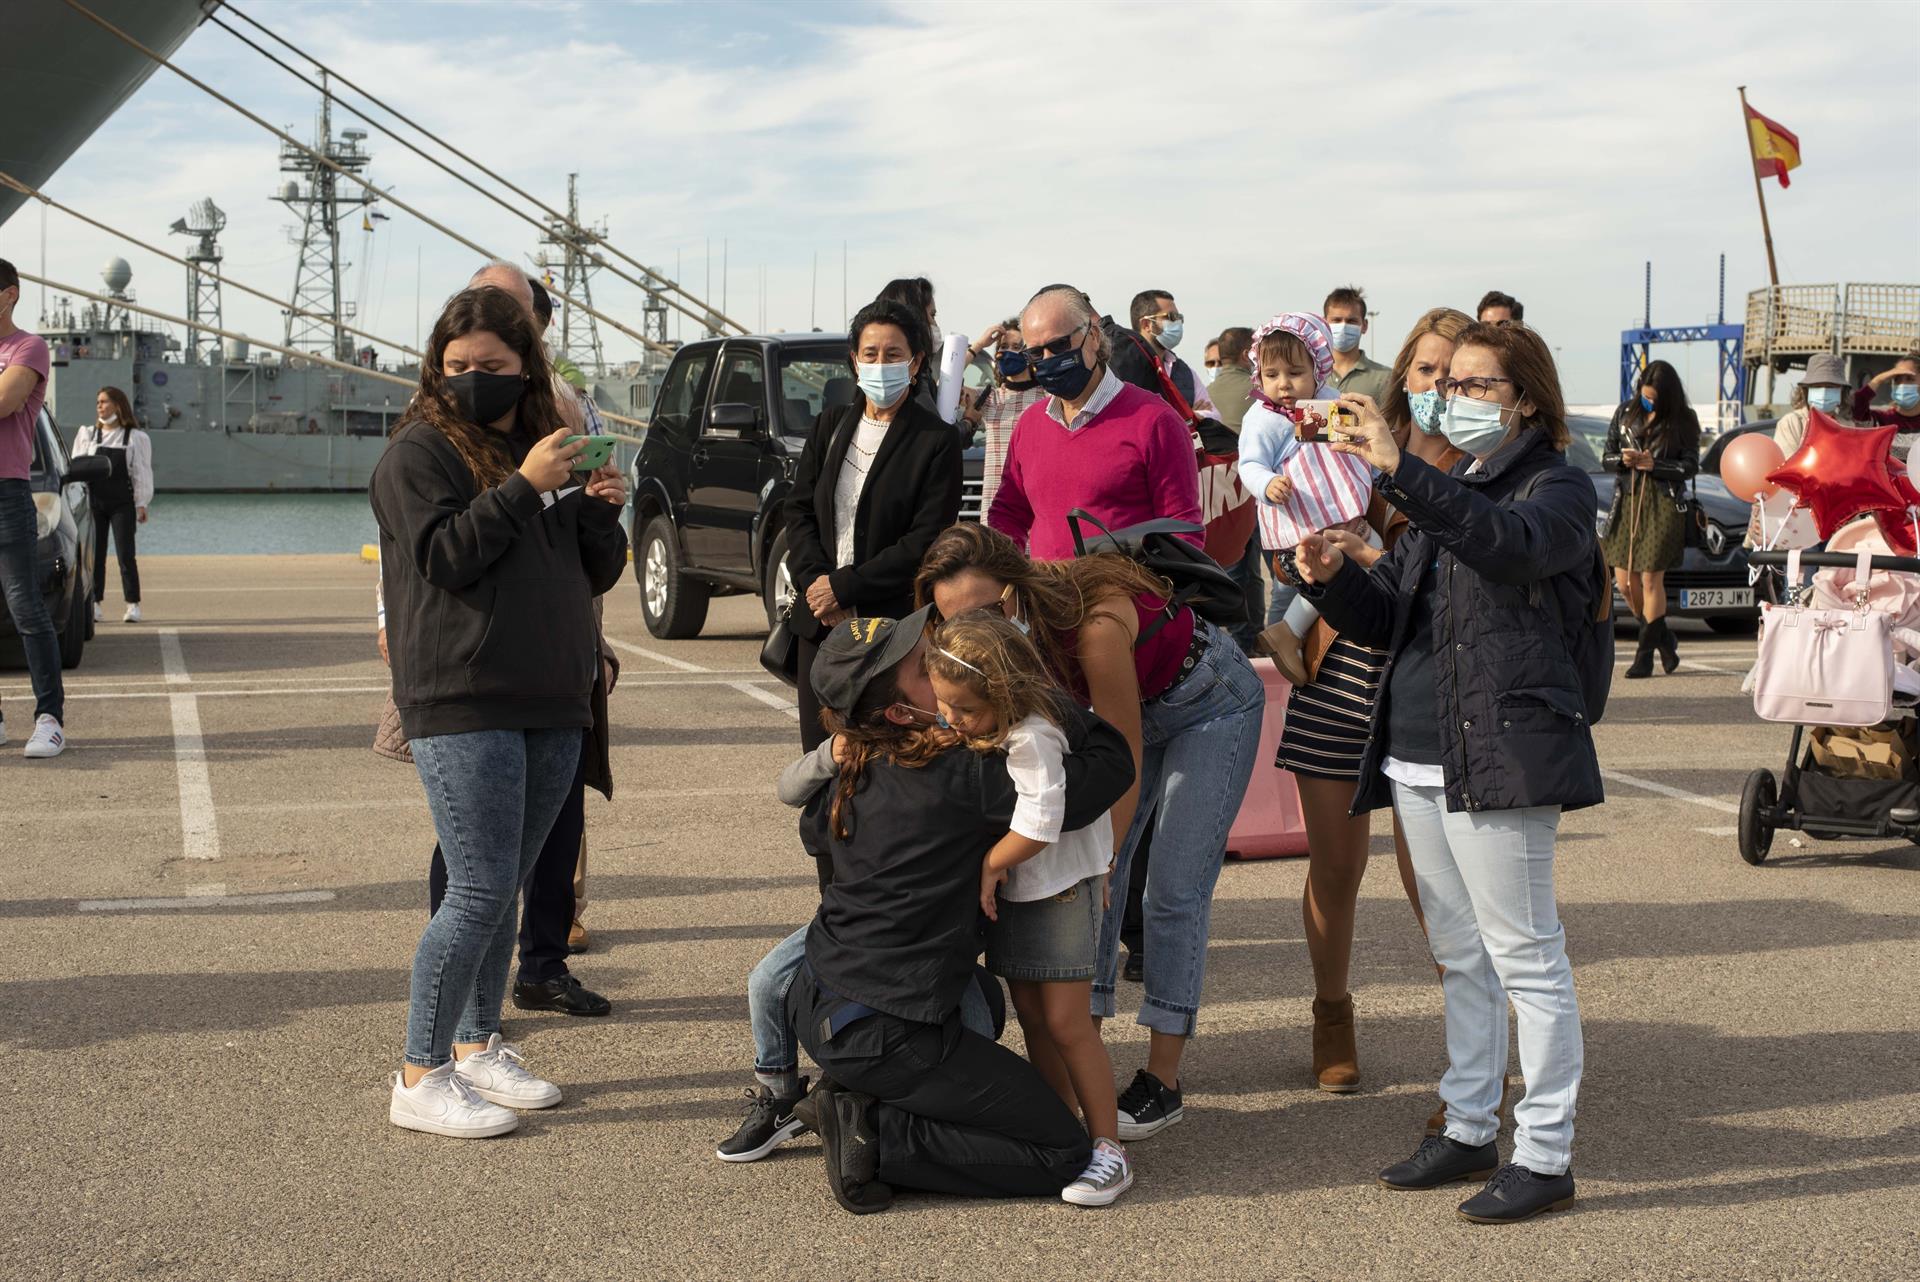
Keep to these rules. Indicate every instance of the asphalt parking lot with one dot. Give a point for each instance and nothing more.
(210, 902)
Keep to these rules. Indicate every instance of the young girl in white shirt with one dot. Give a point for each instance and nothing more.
(120, 502)
(1042, 890)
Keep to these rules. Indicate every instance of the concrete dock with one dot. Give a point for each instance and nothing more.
(211, 900)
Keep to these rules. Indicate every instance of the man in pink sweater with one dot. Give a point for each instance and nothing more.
(1094, 443)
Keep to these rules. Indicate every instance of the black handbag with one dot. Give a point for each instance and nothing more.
(780, 656)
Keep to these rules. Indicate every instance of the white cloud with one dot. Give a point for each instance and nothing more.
(1247, 156)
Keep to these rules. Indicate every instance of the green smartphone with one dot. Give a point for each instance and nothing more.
(599, 449)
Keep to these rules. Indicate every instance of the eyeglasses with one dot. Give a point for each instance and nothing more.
(1474, 389)
(1213, 364)
(1169, 316)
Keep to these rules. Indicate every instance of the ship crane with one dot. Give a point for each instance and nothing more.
(204, 222)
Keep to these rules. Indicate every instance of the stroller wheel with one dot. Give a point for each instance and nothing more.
(1757, 801)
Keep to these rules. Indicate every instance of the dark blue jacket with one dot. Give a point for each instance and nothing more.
(1513, 725)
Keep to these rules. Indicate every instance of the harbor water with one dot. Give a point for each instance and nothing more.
(256, 524)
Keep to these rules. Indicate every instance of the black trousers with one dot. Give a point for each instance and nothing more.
(1133, 927)
(956, 1113)
(122, 520)
(546, 913)
(1247, 572)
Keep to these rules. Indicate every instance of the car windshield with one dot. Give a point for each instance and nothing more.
(812, 379)
(1588, 443)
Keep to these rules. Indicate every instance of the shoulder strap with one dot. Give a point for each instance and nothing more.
(1167, 389)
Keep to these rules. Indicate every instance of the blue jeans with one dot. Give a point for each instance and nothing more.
(20, 580)
(1486, 886)
(1199, 740)
(494, 796)
(775, 1050)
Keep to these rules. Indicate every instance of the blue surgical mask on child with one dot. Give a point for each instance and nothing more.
(1474, 427)
(886, 383)
(1824, 399)
(1427, 408)
(1906, 396)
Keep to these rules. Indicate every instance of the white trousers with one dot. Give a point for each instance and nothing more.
(1486, 888)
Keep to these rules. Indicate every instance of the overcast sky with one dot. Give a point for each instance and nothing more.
(1247, 157)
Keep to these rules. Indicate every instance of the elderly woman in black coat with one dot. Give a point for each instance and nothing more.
(1481, 738)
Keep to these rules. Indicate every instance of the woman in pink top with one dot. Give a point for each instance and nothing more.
(1190, 705)
(1095, 443)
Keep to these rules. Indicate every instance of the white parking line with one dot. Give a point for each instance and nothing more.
(767, 697)
(199, 830)
(656, 656)
(747, 688)
(1719, 831)
(204, 901)
(1667, 790)
(626, 683)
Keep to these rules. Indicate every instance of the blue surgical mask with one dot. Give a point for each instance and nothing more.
(1646, 406)
(1171, 332)
(1346, 336)
(1824, 399)
(1474, 427)
(1906, 395)
(1427, 407)
(885, 383)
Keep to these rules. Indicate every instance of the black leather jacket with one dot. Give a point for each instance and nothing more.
(1675, 459)
(1513, 726)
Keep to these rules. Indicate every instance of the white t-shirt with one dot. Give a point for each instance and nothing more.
(1036, 755)
(852, 480)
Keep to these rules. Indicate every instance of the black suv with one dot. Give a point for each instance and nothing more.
(710, 485)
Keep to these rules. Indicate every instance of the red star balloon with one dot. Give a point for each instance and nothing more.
(1839, 473)
(1899, 528)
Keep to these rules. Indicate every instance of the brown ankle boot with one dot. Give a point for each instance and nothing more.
(1336, 1064)
(1437, 1123)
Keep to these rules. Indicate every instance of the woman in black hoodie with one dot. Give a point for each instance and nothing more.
(493, 549)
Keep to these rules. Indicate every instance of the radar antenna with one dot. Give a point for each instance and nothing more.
(316, 196)
(204, 222)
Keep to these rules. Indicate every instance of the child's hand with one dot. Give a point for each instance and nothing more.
(1279, 490)
(991, 879)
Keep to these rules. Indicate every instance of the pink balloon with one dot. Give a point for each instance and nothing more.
(1745, 463)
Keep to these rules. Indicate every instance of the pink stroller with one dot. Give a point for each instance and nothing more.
(1820, 793)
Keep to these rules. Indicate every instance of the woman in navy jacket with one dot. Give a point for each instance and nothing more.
(1481, 737)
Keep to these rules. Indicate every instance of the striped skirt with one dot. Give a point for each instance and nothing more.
(1328, 721)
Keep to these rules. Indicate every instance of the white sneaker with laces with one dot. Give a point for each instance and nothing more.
(498, 1073)
(48, 740)
(441, 1103)
(1107, 1176)
(133, 613)
(98, 613)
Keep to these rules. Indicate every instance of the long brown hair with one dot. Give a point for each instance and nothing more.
(866, 736)
(1526, 359)
(1055, 597)
(483, 450)
(121, 406)
(1448, 323)
(982, 651)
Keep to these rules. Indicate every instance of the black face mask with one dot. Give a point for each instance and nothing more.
(484, 398)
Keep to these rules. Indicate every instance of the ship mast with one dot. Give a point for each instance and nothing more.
(579, 336)
(315, 196)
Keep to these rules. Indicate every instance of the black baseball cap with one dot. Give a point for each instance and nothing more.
(859, 651)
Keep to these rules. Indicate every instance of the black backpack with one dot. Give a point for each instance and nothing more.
(1197, 579)
(1583, 606)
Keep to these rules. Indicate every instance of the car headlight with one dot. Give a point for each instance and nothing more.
(47, 512)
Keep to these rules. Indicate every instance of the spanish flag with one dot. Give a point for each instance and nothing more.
(1775, 150)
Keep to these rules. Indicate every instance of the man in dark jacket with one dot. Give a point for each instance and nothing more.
(913, 1099)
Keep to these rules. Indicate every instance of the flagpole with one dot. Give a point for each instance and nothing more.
(1766, 231)
(1759, 191)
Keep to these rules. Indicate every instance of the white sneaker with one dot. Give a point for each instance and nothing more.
(499, 1074)
(98, 613)
(48, 740)
(1107, 1176)
(133, 613)
(441, 1103)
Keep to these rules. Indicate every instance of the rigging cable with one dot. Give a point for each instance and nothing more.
(662, 284)
(291, 141)
(451, 172)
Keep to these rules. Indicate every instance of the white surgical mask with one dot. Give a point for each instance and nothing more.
(108, 420)
(1474, 427)
(1171, 332)
(884, 383)
(1346, 336)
